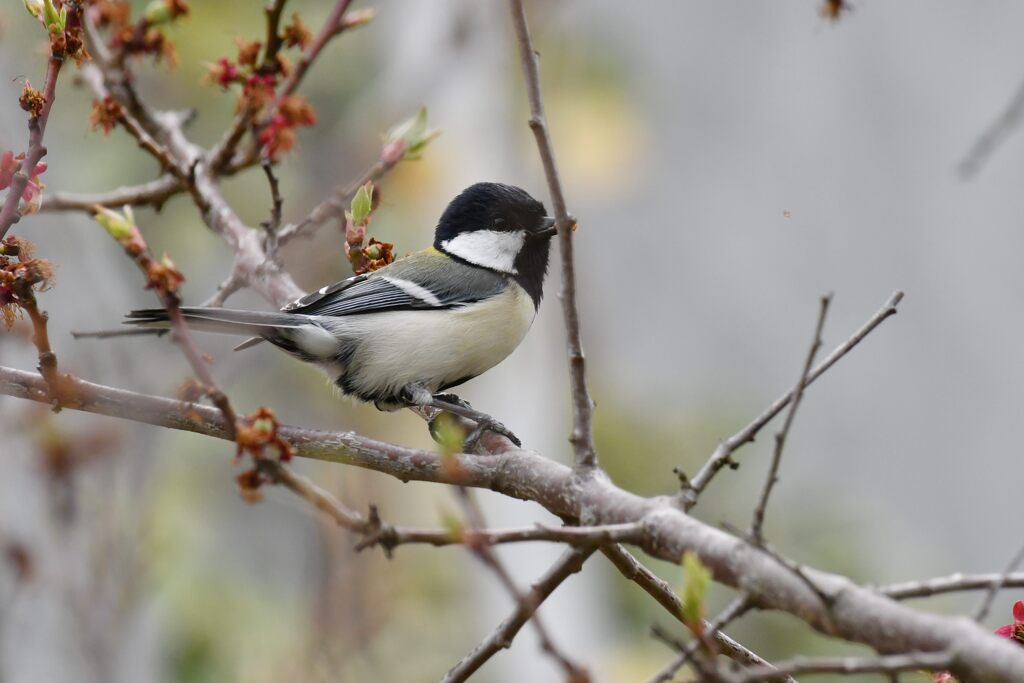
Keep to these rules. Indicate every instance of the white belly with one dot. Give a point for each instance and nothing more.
(433, 348)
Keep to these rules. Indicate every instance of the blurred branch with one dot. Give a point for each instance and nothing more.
(757, 524)
(997, 584)
(856, 613)
(723, 453)
(333, 25)
(570, 563)
(55, 382)
(154, 193)
(582, 438)
(9, 212)
(527, 605)
(164, 279)
(732, 611)
(112, 334)
(633, 570)
(334, 206)
(847, 666)
(993, 136)
(926, 588)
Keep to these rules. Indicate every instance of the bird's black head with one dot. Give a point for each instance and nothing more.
(501, 228)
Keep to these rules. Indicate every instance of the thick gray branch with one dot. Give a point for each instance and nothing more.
(855, 613)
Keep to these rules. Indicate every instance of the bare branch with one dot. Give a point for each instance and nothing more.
(631, 568)
(993, 136)
(9, 212)
(857, 613)
(154, 193)
(334, 206)
(570, 563)
(890, 664)
(234, 282)
(732, 611)
(951, 584)
(582, 438)
(113, 334)
(986, 603)
(723, 454)
(486, 554)
(756, 525)
(333, 25)
(97, 82)
(273, 223)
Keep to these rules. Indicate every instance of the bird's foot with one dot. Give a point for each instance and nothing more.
(450, 403)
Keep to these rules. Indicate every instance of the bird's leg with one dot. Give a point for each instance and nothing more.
(451, 403)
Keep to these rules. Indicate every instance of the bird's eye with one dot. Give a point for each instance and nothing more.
(499, 223)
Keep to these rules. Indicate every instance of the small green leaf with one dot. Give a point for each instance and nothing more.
(362, 204)
(158, 12)
(35, 8)
(120, 226)
(52, 19)
(413, 134)
(449, 435)
(695, 588)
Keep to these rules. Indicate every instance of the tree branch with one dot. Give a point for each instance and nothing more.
(9, 213)
(631, 568)
(915, 661)
(986, 603)
(856, 613)
(756, 533)
(582, 438)
(334, 206)
(732, 611)
(723, 454)
(954, 583)
(570, 563)
(154, 193)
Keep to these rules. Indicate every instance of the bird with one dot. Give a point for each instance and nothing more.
(402, 335)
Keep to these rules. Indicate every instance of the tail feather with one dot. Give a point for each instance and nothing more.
(220, 320)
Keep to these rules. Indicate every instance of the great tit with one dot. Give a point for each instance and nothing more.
(399, 335)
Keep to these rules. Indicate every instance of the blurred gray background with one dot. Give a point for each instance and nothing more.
(729, 162)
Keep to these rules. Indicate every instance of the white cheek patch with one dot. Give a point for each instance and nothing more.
(414, 290)
(487, 248)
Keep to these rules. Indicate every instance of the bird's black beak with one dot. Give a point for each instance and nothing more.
(547, 228)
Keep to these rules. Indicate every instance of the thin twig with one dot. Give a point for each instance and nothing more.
(333, 25)
(570, 563)
(951, 584)
(112, 334)
(986, 603)
(993, 136)
(732, 611)
(137, 250)
(154, 193)
(97, 82)
(221, 154)
(486, 554)
(234, 282)
(723, 453)
(757, 523)
(582, 438)
(886, 664)
(55, 382)
(9, 212)
(634, 571)
(272, 224)
(792, 566)
(334, 206)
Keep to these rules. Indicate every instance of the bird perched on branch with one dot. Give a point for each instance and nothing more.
(399, 335)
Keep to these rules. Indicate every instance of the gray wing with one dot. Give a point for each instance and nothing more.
(422, 281)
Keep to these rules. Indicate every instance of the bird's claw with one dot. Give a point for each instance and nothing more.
(488, 425)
